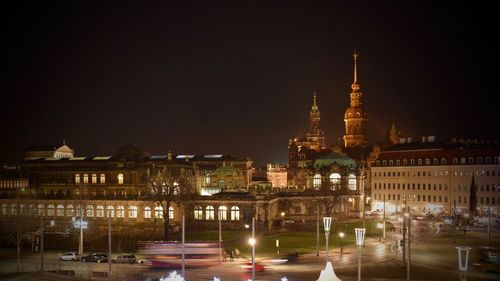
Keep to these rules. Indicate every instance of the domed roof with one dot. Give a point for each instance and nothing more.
(355, 112)
(334, 158)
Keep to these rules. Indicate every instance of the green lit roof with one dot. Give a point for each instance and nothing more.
(226, 171)
(334, 158)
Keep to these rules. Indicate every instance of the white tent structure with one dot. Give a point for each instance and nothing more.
(328, 274)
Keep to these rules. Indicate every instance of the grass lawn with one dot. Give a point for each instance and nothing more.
(297, 238)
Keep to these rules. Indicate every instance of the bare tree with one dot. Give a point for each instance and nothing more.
(168, 187)
(328, 197)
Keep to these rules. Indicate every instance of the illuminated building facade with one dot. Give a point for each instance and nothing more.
(436, 178)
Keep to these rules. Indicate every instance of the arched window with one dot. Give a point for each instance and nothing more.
(171, 212)
(351, 181)
(99, 211)
(60, 210)
(158, 212)
(120, 212)
(32, 210)
(147, 213)
(209, 213)
(85, 178)
(412, 162)
(90, 211)
(50, 210)
(335, 181)
(77, 178)
(198, 212)
(4, 209)
(132, 212)
(405, 162)
(110, 211)
(103, 178)
(70, 211)
(120, 178)
(317, 181)
(207, 179)
(222, 215)
(94, 178)
(41, 209)
(235, 213)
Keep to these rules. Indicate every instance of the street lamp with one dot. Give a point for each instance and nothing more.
(282, 219)
(341, 235)
(462, 264)
(380, 226)
(408, 219)
(251, 241)
(327, 223)
(360, 240)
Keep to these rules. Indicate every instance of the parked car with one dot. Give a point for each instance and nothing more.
(95, 257)
(258, 266)
(127, 258)
(68, 256)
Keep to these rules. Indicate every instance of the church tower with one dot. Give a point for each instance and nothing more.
(355, 117)
(315, 137)
(394, 134)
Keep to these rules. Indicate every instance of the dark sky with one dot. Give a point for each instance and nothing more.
(237, 77)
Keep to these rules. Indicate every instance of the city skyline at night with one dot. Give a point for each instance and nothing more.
(238, 78)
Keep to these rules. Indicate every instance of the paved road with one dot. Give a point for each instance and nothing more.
(434, 257)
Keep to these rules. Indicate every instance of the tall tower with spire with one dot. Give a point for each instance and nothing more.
(315, 138)
(355, 116)
(393, 134)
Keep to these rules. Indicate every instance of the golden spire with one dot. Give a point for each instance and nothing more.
(355, 85)
(314, 106)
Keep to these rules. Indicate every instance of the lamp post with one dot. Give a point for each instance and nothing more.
(360, 240)
(341, 235)
(317, 231)
(251, 241)
(282, 220)
(463, 262)
(380, 226)
(408, 219)
(327, 223)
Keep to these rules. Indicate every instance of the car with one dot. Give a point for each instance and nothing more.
(68, 256)
(126, 258)
(95, 257)
(258, 266)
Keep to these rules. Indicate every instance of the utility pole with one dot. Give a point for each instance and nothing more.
(109, 242)
(80, 246)
(183, 248)
(41, 241)
(409, 248)
(383, 229)
(317, 231)
(404, 230)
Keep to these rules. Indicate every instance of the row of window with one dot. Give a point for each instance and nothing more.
(436, 173)
(102, 178)
(100, 211)
(399, 197)
(210, 213)
(436, 161)
(13, 183)
(410, 186)
(335, 181)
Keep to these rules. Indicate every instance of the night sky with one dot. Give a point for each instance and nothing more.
(237, 77)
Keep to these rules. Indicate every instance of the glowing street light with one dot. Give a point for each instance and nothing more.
(252, 241)
(341, 235)
(463, 261)
(360, 240)
(327, 223)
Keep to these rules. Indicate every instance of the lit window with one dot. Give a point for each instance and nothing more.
(198, 213)
(352, 182)
(4, 209)
(50, 210)
(41, 208)
(317, 181)
(70, 211)
(132, 212)
(110, 211)
(222, 213)
(85, 178)
(120, 178)
(235, 213)
(103, 178)
(94, 178)
(99, 211)
(77, 178)
(158, 212)
(90, 211)
(207, 179)
(427, 161)
(209, 213)
(147, 213)
(60, 210)
(462, 160)
(398, 162)
(412, 162)
(335, 181)
(171, 212)
(120, 212)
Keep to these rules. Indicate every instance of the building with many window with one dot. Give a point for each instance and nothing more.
(436, 178)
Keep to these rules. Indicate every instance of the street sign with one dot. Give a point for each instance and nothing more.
(76, 224)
